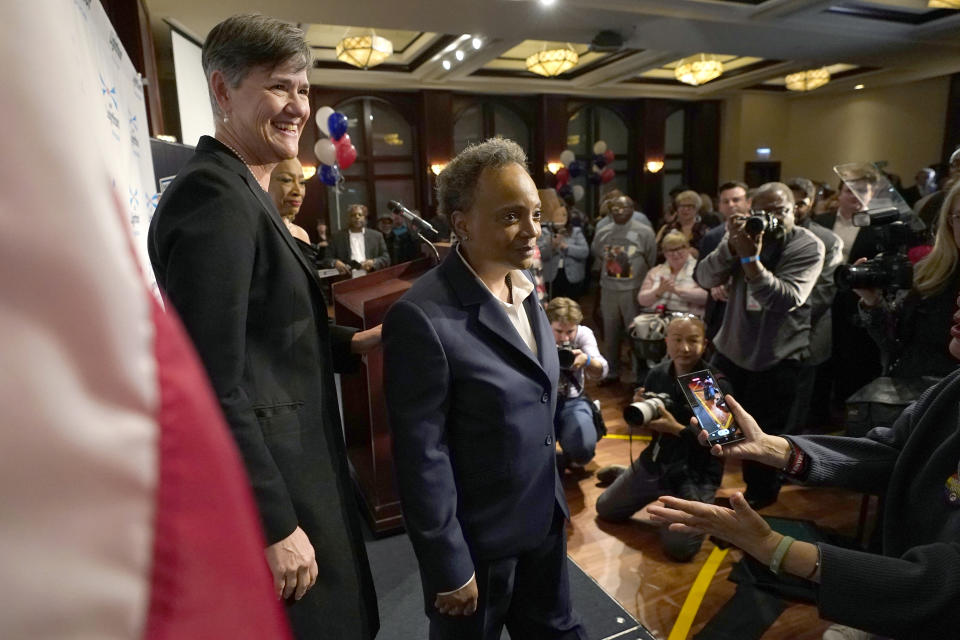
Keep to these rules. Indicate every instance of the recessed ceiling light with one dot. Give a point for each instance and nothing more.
(446, 65)
(547, 3)
(459, 54)
(858, 87)
(477, 43)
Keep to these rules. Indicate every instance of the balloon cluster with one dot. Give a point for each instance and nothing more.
(599, 172)
(336, 153)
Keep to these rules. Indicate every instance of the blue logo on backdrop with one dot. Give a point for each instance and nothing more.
(134, 198)
(112, 105)
(134, 130)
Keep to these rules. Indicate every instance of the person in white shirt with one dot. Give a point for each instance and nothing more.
(576, 432)
(357, 247)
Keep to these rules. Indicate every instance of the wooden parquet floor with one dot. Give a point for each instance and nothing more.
(625, 559)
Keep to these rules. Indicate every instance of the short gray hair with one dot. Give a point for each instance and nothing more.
(243, 42)
(457, 183)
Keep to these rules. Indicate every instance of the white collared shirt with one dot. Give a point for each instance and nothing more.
(847, 232)
(358, 250)
(521, 287)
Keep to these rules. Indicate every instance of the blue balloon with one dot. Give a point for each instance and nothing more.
(594, 178)
(565, 190)
(329, 175)
(598, 160)
(575, 169)
(337, 124)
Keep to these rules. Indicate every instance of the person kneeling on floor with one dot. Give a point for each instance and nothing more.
(674, 463)
(578, 353)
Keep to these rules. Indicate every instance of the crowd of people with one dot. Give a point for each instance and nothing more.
(487, 358)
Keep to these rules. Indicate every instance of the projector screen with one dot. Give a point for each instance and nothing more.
(196, 116)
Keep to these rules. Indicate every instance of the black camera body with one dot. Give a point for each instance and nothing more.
(890, 269)
(649, 408)
(761, 222)
(566, 356)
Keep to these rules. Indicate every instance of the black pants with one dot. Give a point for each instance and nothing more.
(768, 396)
(529, 594)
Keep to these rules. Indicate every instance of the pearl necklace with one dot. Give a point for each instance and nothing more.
(243, 160)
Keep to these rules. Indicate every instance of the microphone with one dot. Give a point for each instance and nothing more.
(412, 218)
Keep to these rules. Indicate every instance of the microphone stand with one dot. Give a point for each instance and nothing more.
(436, 254)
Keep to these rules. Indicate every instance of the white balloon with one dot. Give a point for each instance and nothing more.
(323, 115)
(599, 147)
(577, 193)
(567, 157)
(325, 151)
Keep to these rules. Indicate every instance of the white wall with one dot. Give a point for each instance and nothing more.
(902, 124)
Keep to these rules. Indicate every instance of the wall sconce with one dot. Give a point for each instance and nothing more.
(437, 167)
(654, 166)
(553, 167)
(309, 171)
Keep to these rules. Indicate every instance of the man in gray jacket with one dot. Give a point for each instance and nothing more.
(625, 249)
(765, 335)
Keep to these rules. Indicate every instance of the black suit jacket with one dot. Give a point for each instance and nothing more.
(374, 247)
(471, 412)
(253, 306)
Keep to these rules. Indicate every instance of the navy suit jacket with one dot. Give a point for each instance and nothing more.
(471, 412)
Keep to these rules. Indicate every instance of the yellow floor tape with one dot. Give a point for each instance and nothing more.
(624, 436)
(695, 596)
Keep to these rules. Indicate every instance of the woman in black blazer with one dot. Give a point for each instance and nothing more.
(254, 309)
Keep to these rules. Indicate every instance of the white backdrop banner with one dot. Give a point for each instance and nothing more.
(108, 78)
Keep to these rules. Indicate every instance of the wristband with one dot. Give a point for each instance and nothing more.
(779, 553)
(587, 363)
(816, 567)
(748, 259)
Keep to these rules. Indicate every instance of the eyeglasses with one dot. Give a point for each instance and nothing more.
(778, 211)
(686, 206)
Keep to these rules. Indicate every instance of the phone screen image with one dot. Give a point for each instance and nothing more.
(708, 405)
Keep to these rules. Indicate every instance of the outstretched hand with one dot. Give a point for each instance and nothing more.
(740, 526)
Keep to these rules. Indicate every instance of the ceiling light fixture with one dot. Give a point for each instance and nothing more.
(365, 50)
(553, 62)
(547, 3)
(944, 4)
(477, 43)
(459, 55)
(858, 87)
(654, 166)
(699, 69)
(447, 65)
(808, 80)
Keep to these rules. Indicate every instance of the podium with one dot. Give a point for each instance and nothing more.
(362, 303)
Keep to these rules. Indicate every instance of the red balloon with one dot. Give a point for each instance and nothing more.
(563, 175)
(346, 155)
(343, 141)
(609, 156)
(607, 175)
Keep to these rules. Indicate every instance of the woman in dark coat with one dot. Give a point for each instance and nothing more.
(254, 309)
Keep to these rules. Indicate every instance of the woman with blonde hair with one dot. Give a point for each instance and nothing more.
(671, 285)
(913, 330)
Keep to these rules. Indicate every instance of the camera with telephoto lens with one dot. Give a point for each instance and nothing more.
(650, 408)
(566, 356)
(891, 269)
(761, 222)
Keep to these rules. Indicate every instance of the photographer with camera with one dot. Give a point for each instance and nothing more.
(856, 358)
(564, 252)
(765, 335)
(674, 463)
(911, 327)
(578, 353)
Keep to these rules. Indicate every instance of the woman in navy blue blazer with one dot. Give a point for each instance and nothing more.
(471, 377)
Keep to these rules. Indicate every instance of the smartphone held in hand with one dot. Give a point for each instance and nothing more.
(708, 405)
